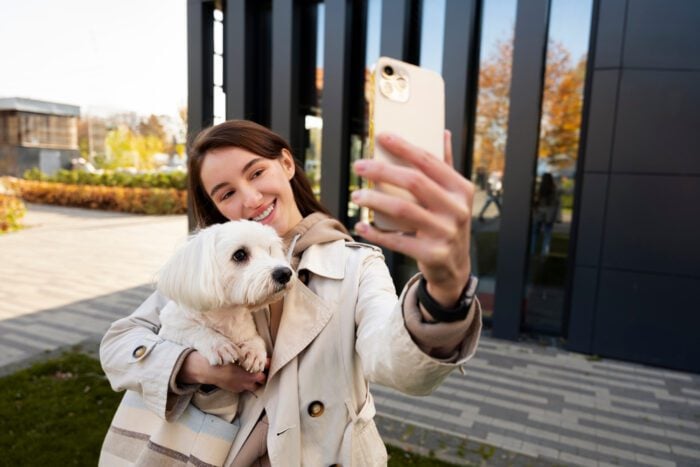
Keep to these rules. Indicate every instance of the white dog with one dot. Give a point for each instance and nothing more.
(215, 281)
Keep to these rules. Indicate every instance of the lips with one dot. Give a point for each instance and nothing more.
(265, 213)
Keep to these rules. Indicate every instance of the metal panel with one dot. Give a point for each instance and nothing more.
(583, 308)
(649, 318)
(336, 59)
(284, 78)
(461, 76)
(200, 73)
(662, 34)
(600, 124)
(235, 47)
(521, 155)
(610, 33)
(400, 34)
(200, 65)
(658, 122)
(591, 219)
(653, 225)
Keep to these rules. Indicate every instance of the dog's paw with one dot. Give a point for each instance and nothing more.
(220, 352)
(253, 355)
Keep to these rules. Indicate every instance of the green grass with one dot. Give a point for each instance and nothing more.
(398, 458)
(57, 413)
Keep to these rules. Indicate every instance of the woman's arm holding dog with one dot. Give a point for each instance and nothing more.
(197, 370)
(135, 358)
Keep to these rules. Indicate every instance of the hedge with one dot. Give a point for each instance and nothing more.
(177, 180)
(110, 198)
(12, 210)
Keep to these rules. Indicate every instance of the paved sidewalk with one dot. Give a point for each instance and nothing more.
(73, 271)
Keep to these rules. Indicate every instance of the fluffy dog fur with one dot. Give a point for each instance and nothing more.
(215, 281)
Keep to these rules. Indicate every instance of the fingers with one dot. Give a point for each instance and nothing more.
(406, 213)
(406, 244)
(448, 148)
(427, 191)
(422, 160)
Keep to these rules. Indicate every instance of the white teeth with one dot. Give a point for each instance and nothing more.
(264, 214)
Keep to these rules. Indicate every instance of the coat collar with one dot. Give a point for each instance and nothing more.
(304, 316)
(325, 259)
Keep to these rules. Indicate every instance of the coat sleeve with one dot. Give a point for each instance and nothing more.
(389, 353)
(135, 358)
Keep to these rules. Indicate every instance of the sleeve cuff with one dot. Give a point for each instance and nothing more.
(446, 342)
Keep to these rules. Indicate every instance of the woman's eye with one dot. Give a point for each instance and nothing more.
(227, 195)
(257, 173)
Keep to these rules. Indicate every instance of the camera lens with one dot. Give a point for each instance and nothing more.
(388, 71)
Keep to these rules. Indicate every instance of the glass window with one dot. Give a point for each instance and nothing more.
(219, 95)
(490, 133)
(432, 34)
(359, 143)
(553, 194)
(311, 91)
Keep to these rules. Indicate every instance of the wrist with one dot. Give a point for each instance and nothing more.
(193, 370)
(458, 310)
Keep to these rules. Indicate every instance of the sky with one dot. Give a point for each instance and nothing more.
(105, 56)
(131, 55)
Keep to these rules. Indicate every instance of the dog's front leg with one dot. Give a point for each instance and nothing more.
(178, 327)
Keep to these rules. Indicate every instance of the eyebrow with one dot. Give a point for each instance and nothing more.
(248, 165)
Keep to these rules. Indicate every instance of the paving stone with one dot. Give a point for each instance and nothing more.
(518, 404)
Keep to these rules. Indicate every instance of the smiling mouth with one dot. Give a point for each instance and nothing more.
(266, 213)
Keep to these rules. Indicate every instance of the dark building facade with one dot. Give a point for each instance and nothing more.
(581, 139)
(37, 134)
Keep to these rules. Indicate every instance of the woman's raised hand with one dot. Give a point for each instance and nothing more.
(440, 216)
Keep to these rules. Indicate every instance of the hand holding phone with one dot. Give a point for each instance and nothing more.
(407, 101)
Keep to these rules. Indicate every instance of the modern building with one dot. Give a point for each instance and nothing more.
(576, 120)
(38, 134)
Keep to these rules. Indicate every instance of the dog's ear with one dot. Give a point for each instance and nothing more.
(191, 277)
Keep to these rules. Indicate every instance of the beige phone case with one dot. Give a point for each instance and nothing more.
(408, 101)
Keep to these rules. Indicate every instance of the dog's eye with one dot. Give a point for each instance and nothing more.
(239, 255)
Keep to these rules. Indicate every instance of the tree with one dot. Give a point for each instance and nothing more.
(561, 106)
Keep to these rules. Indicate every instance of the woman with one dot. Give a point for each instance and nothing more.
(339, 328)
(545, 213)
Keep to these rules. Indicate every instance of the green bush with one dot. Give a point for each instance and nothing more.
(177, 180)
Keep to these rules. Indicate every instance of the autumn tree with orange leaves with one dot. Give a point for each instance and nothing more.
(562, 101)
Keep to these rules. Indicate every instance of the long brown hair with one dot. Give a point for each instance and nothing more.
(254, 138)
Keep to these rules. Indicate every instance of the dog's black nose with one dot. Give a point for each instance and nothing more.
(282, 275)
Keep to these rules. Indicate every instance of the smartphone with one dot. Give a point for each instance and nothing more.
(408, 101)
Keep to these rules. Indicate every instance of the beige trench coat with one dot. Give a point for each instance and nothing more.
(343, 331)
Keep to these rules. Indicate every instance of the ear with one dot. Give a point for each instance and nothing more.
(190, 277)
(288, 164)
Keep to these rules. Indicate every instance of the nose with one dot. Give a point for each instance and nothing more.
(282, 275)
(251, 197)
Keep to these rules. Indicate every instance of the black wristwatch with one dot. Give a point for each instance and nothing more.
(448, 315)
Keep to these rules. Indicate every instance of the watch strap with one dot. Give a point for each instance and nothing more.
(441, 313)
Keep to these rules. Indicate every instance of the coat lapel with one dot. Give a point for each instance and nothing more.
(305, 314)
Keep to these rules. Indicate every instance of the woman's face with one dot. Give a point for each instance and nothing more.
(244, 185)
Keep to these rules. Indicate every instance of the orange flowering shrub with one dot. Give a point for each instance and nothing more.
(109, 198)
(12, 210)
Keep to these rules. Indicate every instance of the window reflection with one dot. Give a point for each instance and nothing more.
(219, 95)
(490, 133)
(553, 193)
(359, 129)
(311, 62)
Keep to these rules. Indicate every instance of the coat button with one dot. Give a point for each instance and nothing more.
(316, 409)
(139, 351)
